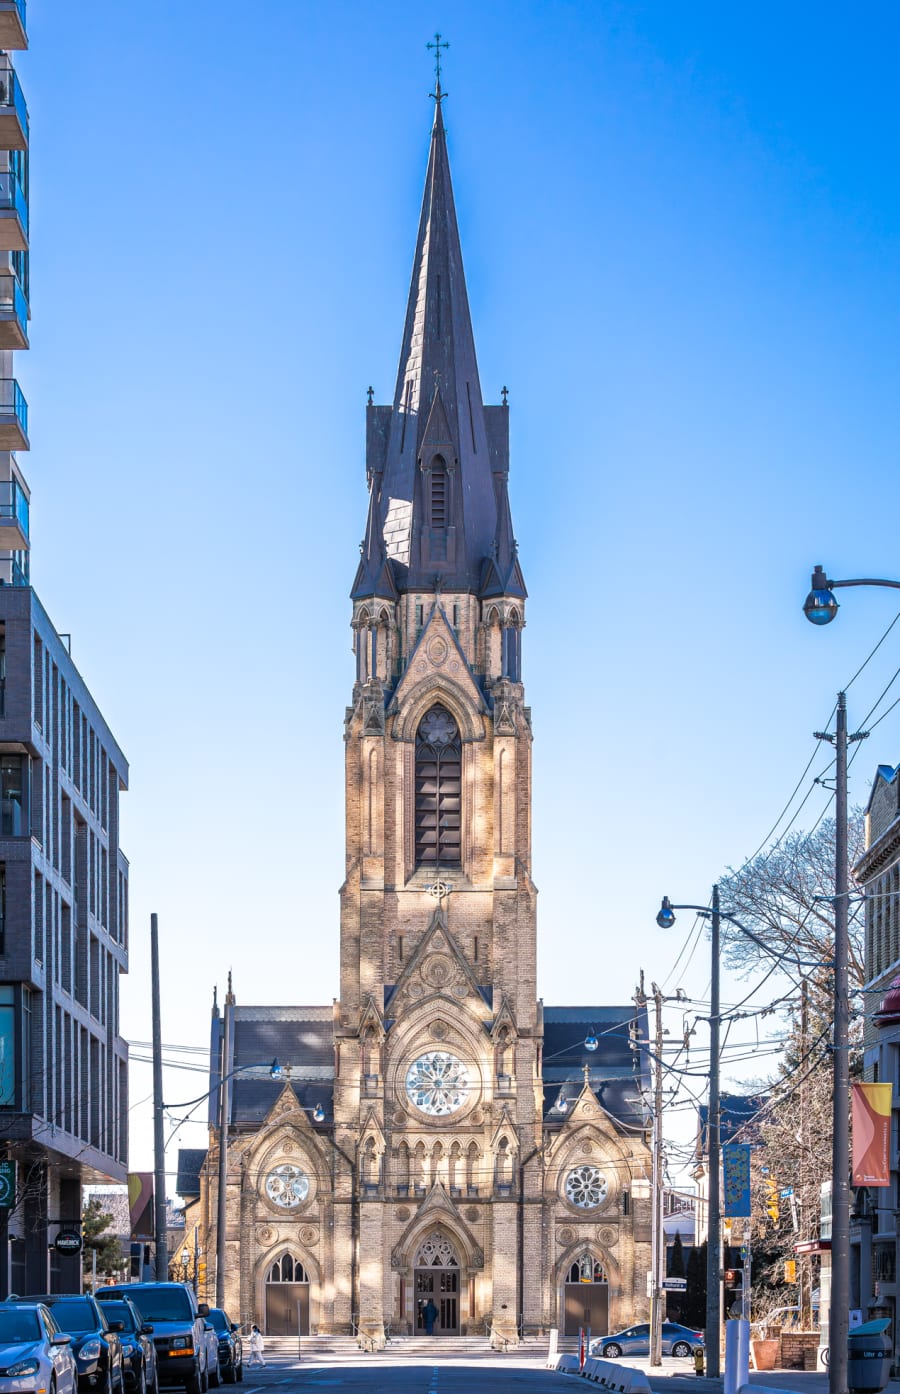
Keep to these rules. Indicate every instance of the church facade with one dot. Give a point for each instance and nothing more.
(440, 1147)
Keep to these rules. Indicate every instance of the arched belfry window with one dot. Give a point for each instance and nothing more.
(439, 492)
(438, 788)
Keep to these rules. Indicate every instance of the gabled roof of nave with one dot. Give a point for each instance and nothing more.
(438, 408)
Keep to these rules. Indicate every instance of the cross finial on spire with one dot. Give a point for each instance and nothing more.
(437, 46)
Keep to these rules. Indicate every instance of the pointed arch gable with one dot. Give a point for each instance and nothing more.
(464, 707)
(440, 1216)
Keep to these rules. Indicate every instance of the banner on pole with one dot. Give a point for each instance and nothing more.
(871, 1134)
(736, 1177)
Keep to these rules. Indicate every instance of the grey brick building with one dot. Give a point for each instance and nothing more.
(63, 879)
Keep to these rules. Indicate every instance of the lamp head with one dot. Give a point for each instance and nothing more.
(276, 1070)
(562, 1104)
(319, 1113)
(590, 1040)
(666, 917)
(820, 606)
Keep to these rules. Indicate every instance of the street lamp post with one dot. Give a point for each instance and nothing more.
(666, 919)
(820, 607)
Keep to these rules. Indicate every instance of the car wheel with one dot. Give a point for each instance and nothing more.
(612, 1350)
(195, 1383)
(681, 1348)
(204, 1379)
(240, 1371)
(215, 1375)
(229, 1375)
(142, 1382)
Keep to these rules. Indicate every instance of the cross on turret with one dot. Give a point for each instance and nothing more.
(437, 46)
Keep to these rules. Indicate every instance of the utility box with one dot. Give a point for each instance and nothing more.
(869, 1356)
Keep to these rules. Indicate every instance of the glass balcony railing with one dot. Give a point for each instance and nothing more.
(12, 98)
(13, 403)
(13, 303)
(12, 196)
(14, 503)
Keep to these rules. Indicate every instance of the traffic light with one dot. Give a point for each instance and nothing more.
(772, 1208)
(734, 1277)
(734, 1290)
(136, 1254)
(790, 1270)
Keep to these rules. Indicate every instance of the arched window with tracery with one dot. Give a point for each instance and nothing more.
(438, 789)
(436, 1251)
(287, 1269)
(587, 1269)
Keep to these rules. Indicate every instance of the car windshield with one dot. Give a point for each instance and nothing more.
(218, 1319)
(18, 1326)
(163, 1304)
(123, 1312)
(75, 1314)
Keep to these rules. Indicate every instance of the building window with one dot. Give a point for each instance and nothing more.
(7, 1047)
(12, 796)
(438, 789)
(287, 1270)
(587, 1270)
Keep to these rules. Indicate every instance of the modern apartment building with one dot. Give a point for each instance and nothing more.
(63, 879)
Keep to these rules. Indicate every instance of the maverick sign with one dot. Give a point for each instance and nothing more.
(68, 1241)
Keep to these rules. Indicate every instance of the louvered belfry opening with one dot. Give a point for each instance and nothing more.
(438, 494)
(438, 789)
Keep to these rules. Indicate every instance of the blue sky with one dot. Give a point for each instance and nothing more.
(680, 225)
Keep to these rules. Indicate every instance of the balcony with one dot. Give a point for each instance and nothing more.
(13, 33)
(13, 111)
(14, 520)
(13, 214)
(13, 314)
(13, 416)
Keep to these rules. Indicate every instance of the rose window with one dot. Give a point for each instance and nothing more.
(586, 1187)
(287, 1186)
(438, 1083)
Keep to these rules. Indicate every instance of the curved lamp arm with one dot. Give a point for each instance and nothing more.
(820, 606)
(666, 918)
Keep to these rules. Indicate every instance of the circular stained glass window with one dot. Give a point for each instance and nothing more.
(438, 1083)
(586, 1187)
(287, 1186)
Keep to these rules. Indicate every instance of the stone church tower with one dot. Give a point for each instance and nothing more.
(441, 1139)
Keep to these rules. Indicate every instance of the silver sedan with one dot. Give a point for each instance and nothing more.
(35, 1356)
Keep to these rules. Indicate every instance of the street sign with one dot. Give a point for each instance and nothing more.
(7, 1185)
(68, 1241)
(788, 1191)
(674, 1284)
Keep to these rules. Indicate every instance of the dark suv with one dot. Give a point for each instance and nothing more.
(96, 1348)
(231, 1350)
(178, 1329)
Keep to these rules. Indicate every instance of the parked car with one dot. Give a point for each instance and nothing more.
(34, 1353)
(97, 1349)
(138, 1350)
(231, 1349)
(676, 1340)
(213, 1372)
(179, 1329)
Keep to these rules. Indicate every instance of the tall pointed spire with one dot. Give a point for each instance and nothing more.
(432, 456)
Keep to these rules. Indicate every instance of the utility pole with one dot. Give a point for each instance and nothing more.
(224, 1116)
(159, 1146)
(802, 1260)
(714, 1237)
(658, 1243)
(839, 1312)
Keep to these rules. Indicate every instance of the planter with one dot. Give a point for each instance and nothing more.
(765, 1354)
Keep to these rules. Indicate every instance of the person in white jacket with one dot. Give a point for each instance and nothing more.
(257, 1346)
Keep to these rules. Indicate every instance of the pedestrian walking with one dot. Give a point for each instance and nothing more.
(257, 1346)
(429, 1316)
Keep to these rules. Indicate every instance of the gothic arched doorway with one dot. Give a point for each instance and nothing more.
(436, 1280)
(586, 1297)
(287, 1298)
